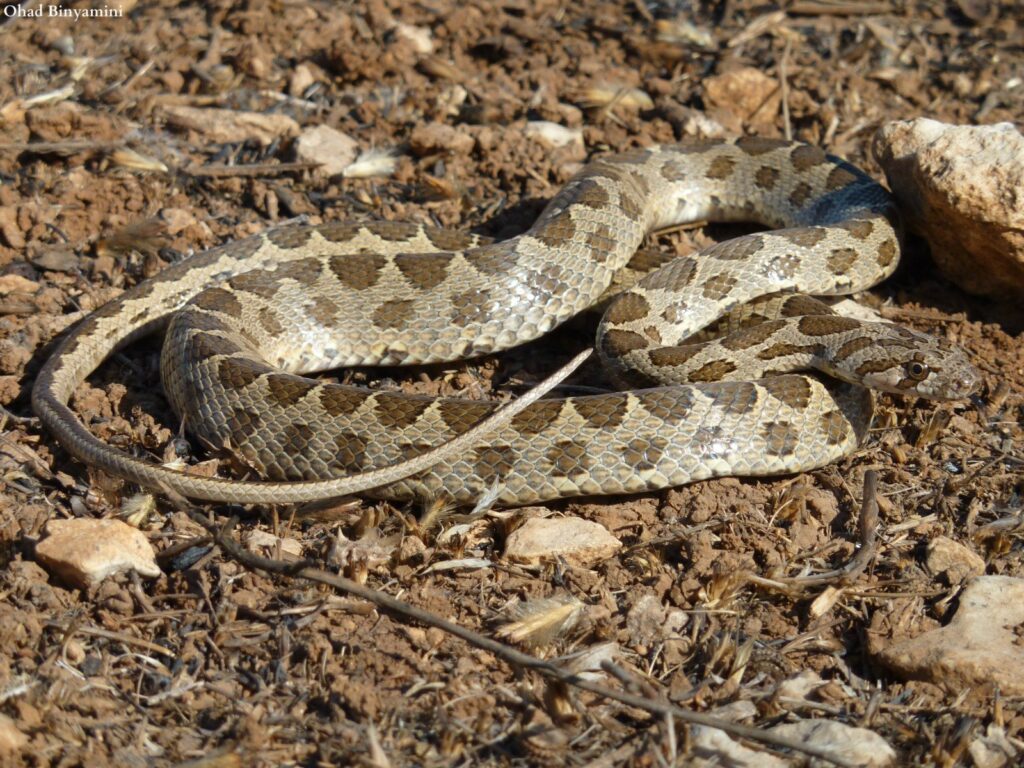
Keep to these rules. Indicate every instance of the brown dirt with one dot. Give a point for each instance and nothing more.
(212, 659)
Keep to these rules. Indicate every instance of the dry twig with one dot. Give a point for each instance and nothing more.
(656, 706)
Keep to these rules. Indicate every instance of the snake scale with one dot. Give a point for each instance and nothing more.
(244, 319)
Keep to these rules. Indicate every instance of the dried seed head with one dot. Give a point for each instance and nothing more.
(134, 161)
(600, 96)
(537, 623)
(372, 162)
(136, 510)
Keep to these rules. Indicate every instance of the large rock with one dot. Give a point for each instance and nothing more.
(979, 648)
(962, 187)
(83, 552)
(334, 150)
(858, 746)
(580, 542)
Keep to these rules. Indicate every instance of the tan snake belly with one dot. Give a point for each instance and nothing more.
(309, 298)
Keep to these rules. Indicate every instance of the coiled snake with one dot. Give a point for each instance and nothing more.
(247, 316)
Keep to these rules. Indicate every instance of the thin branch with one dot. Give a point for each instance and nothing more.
(255, 169)
(867, 528)
(406, 612)
(74, 629)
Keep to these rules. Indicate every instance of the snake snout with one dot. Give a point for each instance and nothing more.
(968, 381)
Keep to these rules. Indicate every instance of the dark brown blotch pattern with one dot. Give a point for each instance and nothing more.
(674, 276)
(720, 168)
(716, 370)
(469, 307)
(349, 454)
(765, 177)
(394, 313)
(357, 270)
(591, 194)
(244, 423)
(668, 404)
(800, 195)
(627, 307)
(674, 356)
(302, 271)
(397, 411)
(825, 325)
(750, 337)
(852, 347)
(338, 400)
(718, 286)
(787, 349)
(780, 438)
(644, 455)
(295, 439)
(617, 342)
(207, 345)
(841, 259)
(537, 417)
(460, 415)
(393, 231)
(219, 300)
(287, 389)
(289, 237)
(859, 229)
(602, 411)
(838, 178)
(600, 242)
(424, 270)
(794, 391)
(887, 252)
(737, 249)
(323, 310)
(269, 322)
(499, 258)
(236, 373)
(494, 462)
(338, 231)
(568, 458)
(785, 266)
(758, 145)
(804, 237)
(674, 170)
(806, 156)
(259, 282)
(835, 427)
(733, 397)
(556, 232)
(450, 240)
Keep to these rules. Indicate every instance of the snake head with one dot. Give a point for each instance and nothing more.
(906, 362)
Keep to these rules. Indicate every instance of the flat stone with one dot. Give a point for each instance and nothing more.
(430, 138)
(960, 186)
(713, 747)
(650, 622)
(228, 125)
(11, 739)
(980, 648)
(743, 97)
(579, 542)
(265, 544)
(993, 749)
(334, 150)
(953, 560)
(858, 746)
(553, 134)
(83, 552)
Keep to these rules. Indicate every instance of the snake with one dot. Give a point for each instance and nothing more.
(730, 367)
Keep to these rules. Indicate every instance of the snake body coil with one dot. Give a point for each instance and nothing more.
(247, 317)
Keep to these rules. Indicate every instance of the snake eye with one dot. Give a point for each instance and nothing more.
(917, 371)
